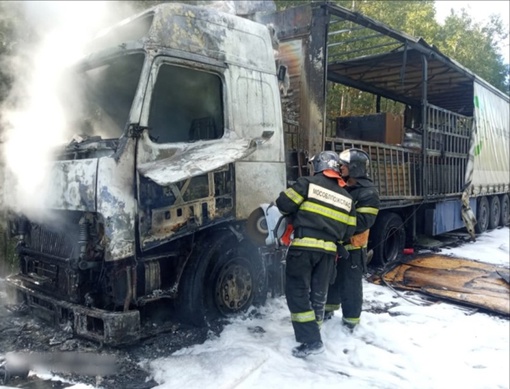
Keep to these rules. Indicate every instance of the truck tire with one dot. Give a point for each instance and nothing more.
(505, 210)
(482, 215)
(387, 238)
(495, 212)
(223, 278)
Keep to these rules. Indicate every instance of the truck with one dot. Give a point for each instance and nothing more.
(188, 119)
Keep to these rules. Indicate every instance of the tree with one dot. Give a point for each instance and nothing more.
(11, 16)
(415, 18)
(475, 46)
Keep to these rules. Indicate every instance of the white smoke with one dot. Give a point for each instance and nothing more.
(33, 120)
(239, 7)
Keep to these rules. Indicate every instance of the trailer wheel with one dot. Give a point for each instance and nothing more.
(495, 212)
(387, 238)
(482, 215)
(224, 278)
(505, 210)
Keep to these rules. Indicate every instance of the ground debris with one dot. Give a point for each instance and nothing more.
(22, 333)
(458, 280)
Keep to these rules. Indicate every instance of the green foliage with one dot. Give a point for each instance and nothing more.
(415, 18)
(474, 46)
(11, 14)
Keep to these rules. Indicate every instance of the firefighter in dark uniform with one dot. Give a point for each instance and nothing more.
(322, 214)
(347, 290)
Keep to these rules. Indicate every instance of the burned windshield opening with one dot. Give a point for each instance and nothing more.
(97, 101)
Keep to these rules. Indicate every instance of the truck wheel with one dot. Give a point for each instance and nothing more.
(482, 215)
(387, 238)
(225, 278)
(505, 210)
(495, 212)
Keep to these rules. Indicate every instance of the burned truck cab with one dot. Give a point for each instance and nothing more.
(178, 140)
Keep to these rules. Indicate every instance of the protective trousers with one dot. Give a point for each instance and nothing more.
(308, 275)
(347, 290)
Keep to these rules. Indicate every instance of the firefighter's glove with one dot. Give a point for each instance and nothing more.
(361, 239)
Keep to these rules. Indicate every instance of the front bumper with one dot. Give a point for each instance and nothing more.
(107, 327)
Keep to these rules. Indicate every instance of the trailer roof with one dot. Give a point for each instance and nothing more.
(369, 55)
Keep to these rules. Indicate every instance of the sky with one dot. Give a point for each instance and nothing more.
(480, 12)
(403, 342)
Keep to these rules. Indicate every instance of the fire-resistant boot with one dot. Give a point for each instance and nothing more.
(306, 349)
(350, 324)
(328, 315)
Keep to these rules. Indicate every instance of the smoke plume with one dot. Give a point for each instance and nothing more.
(32, 118)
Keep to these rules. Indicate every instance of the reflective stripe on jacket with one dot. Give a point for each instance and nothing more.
(323, 213)
(367, 203)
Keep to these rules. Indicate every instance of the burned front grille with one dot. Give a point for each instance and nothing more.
(55, 243)
(46, 259)
(52, 277)
(44, 272)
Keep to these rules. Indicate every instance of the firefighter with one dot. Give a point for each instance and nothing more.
(347, 290)
(322, 213)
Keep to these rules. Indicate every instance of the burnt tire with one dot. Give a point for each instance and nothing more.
(387, 238)
(224, 277)
(495, 212)
(505, 210)
(482, 215)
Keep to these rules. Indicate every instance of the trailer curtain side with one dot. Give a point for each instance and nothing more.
(491, 142)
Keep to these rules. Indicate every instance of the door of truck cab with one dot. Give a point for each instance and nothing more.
(185, 175)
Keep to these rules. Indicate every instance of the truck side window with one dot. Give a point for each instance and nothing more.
(186, 105)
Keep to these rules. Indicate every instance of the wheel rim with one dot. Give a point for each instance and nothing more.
(504, 211)
(391, 245)
(496, 213)
(484, 217)
(234, 286)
